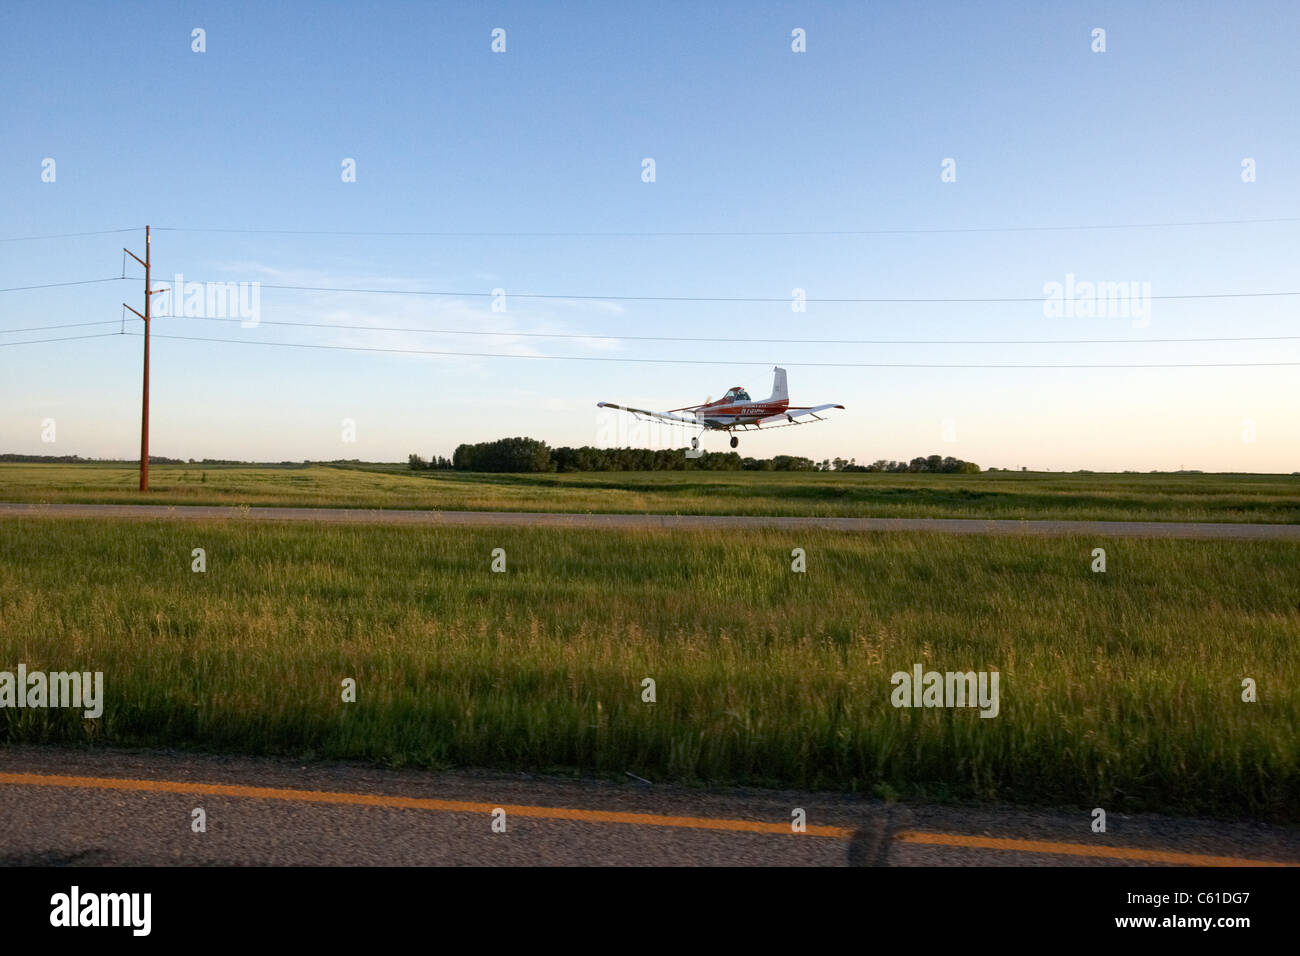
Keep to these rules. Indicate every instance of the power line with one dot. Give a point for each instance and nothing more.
(740, 299)
(70, 325)
(66, 338)
(604, 358)
(684, 233)
(738, 233)
(56, 285)
(800, 341)
(601, 358)
(841, 300)
(70, 235)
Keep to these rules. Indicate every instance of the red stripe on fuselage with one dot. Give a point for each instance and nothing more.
(758, 409)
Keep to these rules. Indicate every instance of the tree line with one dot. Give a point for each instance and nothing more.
(531, 455)
(930, 463)
(435, 463)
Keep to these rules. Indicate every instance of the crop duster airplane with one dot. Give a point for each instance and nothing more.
(736, 411)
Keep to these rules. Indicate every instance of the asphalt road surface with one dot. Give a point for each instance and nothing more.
(1110, 529)
(85, 808)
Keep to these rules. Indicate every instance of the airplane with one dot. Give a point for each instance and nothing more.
(736, 411)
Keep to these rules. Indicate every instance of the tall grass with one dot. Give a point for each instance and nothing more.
(1249, 498)
(1119, 689)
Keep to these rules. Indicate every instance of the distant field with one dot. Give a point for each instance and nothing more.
(1241, 498)
(1119, 690)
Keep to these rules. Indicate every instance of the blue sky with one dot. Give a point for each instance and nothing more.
(747, 136)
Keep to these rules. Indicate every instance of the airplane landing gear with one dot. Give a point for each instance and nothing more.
(695, 444)
(734, 441)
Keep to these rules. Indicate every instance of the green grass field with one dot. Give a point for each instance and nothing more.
(1119, 690)
(1241, 498)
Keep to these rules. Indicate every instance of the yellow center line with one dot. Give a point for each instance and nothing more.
(415, 803)
(609, 816)
(1078, 849)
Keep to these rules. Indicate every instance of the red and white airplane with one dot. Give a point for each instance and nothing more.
(736, 411)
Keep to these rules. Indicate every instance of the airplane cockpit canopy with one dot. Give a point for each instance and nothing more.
(737, 394)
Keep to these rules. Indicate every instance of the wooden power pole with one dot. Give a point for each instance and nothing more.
(144, 404)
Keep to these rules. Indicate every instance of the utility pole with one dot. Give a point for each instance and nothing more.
(144, 409)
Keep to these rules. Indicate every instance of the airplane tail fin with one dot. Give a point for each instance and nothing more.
(780, 391)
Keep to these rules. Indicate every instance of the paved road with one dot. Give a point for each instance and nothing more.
(533, 519)
(136, 807)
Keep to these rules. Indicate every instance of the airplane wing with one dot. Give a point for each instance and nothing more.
(790, 414)
(666, 416)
